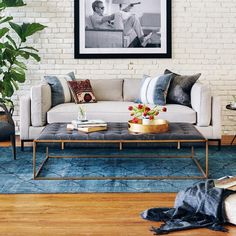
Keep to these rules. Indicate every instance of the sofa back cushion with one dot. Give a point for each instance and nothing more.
(131, 89)
(107, 89)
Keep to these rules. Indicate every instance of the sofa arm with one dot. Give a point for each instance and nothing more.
(201, 103)
(216, 117)
(41, 102)
(25, 112)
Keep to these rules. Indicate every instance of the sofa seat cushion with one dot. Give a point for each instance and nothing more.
(115, 111)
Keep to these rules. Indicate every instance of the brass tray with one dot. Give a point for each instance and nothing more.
(159, 126)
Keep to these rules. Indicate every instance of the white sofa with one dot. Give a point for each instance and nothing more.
(114, 96)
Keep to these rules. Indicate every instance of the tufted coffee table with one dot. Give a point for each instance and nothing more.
(178, 133)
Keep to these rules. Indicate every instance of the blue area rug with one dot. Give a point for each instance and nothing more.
(16, 176)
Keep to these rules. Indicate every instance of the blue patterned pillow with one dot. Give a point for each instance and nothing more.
(154, 90)
(59, 88)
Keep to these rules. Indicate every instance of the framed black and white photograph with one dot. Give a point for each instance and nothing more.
(122, 29)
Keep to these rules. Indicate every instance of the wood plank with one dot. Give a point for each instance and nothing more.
(98, 214)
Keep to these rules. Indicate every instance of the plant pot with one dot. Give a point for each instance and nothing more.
(146, 121)
(3, 116)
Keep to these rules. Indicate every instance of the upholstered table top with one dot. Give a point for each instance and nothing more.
(119, 131)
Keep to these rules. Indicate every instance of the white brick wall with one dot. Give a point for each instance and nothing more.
(204, 40)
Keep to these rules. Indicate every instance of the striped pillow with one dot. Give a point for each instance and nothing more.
(59, 88)
(154, 90)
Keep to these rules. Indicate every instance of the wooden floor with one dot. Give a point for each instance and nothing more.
(85, 214)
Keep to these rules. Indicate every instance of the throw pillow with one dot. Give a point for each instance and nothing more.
(154, 90)
(59, 88)
(82, 91)
(180, 88)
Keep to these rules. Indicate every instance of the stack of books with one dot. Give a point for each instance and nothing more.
(226, 182)
(88, 125)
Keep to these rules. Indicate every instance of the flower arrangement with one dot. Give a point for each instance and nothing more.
(143, 111)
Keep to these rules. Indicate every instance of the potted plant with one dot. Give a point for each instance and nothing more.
(144, 112)
(14, 52)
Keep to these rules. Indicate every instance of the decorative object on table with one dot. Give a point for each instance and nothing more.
(156, 126)
(7, 128)
(82, 91)
(59, 88)
(82, 113)
(154, 90)
(87, 126)
(13, 50)
(145, 113)
(151, 37)
(180, 88)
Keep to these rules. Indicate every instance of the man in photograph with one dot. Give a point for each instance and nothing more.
(123, 20)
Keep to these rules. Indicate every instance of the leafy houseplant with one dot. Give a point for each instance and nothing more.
(14, 51)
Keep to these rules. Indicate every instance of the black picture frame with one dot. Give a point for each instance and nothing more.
(80, 54)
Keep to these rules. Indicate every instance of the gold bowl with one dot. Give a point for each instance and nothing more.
(159, 126)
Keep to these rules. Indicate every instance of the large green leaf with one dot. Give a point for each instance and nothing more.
(8, 88)
(12, 41)
(30, 48)
(13, 3)
(6, 19)
(29, 29)
(8, 55)
(35, 56)
(18, 30)
(18, 74)
(3, 31)
(26, 29)
(23, 54)
(27, 54)
(15, 84)
(2, 45)
(20, 64)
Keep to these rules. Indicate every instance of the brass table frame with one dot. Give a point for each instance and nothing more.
(120, 142)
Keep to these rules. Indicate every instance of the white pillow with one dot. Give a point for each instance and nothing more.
(144, 90)
(151, 90)
(154, 90)
(230, 208)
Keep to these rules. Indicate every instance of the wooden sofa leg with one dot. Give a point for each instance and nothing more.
(219, 144)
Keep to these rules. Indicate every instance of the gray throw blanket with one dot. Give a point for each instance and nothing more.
(195, 207)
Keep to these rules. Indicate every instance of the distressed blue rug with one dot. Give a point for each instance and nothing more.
(16, 176)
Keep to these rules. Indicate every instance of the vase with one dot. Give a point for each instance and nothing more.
(82, 116)
(146, 121)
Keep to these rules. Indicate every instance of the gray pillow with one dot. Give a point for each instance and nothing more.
(180, 88)
(161, 89)
(59, 88)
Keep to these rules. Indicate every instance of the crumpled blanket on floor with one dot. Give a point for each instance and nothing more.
(195, 207)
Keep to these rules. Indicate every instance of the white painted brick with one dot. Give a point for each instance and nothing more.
(203, 35)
